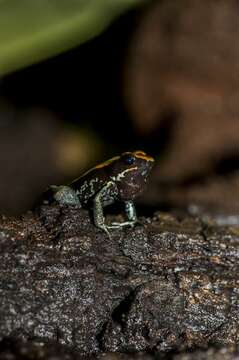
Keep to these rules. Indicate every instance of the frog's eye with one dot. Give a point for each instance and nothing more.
(129, 159)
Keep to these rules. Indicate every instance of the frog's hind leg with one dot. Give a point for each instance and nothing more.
(65, 195)
(98, 213)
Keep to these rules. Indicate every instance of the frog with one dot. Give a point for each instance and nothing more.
(121, 178)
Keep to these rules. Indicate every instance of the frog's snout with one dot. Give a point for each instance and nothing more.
(150, 159)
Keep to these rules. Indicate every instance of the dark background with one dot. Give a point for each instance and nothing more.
(163, 79)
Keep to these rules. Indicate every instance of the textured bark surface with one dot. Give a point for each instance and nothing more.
(167, 285)
(38, 350)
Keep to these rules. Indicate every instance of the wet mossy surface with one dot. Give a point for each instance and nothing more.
(167, 286)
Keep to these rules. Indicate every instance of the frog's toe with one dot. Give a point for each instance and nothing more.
(118, 225)
(105, 229)
(114, 226)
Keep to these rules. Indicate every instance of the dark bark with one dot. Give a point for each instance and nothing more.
(166, 285)
(39, 350)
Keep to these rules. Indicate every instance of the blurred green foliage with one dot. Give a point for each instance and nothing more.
(33, 30)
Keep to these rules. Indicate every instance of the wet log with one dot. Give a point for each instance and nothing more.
(40, 350)
(169, 284)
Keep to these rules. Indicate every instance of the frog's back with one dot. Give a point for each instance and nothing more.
(89, 184)
(83, 190)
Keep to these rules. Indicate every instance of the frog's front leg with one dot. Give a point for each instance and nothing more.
(98, 213)
(130, 213)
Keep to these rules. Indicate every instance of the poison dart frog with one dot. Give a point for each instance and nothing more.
(121, 178)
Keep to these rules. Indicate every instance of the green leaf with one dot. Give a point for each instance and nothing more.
(33, 30)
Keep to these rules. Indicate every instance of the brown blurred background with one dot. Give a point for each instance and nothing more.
(163, 78)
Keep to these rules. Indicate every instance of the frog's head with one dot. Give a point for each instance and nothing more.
(130, 172)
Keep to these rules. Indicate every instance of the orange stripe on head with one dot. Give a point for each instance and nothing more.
(139, 152)
(141, 155)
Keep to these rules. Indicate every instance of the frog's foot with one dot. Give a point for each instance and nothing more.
(105, 229)
(117, 225)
